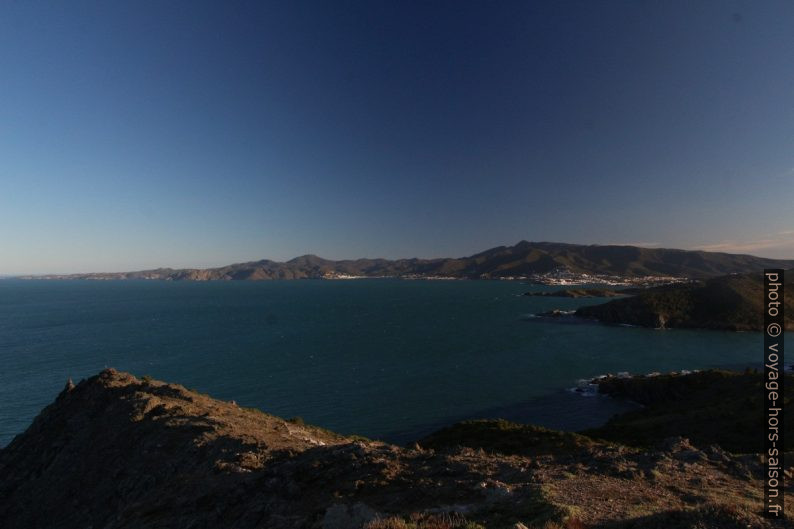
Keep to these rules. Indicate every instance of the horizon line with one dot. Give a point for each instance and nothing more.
(648, 246)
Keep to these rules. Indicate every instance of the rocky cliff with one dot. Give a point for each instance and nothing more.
(116, 451)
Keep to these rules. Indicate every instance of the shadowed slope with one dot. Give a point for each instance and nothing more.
(120, 452)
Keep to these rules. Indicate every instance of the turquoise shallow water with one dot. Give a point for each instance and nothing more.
(384, 358)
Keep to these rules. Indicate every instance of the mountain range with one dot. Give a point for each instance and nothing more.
(521, 260)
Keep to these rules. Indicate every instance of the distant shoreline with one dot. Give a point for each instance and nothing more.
(545, 263)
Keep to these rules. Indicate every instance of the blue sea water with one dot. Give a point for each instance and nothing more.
(388, 359)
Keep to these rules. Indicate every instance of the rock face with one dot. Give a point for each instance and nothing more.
(115, 451)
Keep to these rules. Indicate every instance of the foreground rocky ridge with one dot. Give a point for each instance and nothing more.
(116, 451)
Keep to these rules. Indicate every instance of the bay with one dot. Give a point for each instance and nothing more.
(384, 358)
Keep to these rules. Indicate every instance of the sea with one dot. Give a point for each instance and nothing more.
(384, 358)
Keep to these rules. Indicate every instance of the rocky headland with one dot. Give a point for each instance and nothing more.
(732, 302)
(116, 451)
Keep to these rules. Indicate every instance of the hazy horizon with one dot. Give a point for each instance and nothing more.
(343, 258)
(199, 134)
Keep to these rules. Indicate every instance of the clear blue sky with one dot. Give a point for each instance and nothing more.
(139, 134)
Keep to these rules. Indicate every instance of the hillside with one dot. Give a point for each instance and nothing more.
(708, 407)
(116, 451)
(522, 260)
(732, 302)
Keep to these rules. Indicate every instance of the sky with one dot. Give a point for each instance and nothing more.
(193, 134)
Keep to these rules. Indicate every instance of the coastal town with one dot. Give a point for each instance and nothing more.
(565, 277)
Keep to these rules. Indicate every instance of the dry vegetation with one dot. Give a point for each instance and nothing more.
(120, 452)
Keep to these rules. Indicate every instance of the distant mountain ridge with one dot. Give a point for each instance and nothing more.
(521, 260)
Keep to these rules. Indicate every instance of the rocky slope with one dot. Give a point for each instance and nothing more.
(522, 259)
(707, 407)
(116, 451)
(733, 302)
